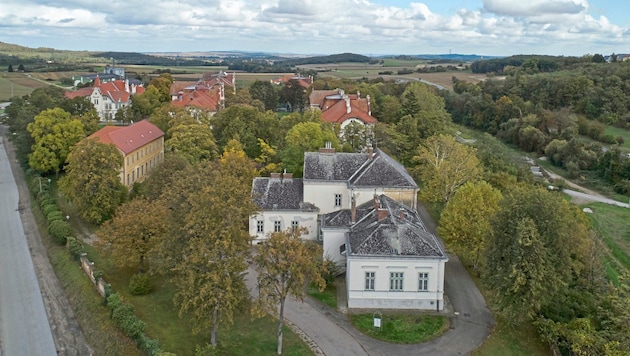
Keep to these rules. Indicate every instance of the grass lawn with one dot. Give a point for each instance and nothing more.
(616, 131)
(506, 340)
(328, 296)
(402, 328)
(612, 224)
(244, 337)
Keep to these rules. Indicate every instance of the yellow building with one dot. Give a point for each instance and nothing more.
(142, 147)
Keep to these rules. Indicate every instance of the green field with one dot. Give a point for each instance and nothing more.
(16, 84)
(616, 131)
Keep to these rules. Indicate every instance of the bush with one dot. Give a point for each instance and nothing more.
(59, 230)
(140, 284)
(123, 315)
(48, 208)
(54, 215)
(75, 247)
(148, 345)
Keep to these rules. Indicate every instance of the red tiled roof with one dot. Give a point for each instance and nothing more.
(115, 90)
(129, 138)
(318, 97)
(338, 113)
(205, 99)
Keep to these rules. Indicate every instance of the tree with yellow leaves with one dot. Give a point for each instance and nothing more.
(285, 264)
(444, 166)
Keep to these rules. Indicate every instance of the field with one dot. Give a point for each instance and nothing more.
(16, 84)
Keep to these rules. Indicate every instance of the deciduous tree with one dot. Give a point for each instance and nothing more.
(92, 180)
(206, 249)
(445, 165)
(465, 222)
(133, 232)
(54, 132)
(539, 243)
(193, 142)
(285, 264)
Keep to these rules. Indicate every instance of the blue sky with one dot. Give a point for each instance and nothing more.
(485, 27)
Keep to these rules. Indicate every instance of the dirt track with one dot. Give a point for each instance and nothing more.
(67, 334)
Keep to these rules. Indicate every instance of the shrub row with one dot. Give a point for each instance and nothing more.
(59, 229)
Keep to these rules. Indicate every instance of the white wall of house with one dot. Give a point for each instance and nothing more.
(332, 240)
(322, 194)
(285, 217)
(382, 297)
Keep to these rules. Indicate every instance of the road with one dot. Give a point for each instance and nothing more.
(24, 328)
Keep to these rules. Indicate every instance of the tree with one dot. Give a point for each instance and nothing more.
(133, 232)
(21, 68)
(54, 133)
(420, 101)
(285, 264)
(205, 252)
(445, 165)
(92, 180)
(193, 142)
(465, 222)
(265, 92)
(305, 137)
(163, 85)
(539, 244)
(163, 176)
(10, 70)
(294, 95)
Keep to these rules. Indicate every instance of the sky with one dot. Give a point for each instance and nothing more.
(369, 27)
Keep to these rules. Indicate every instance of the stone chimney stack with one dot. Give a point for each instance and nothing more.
(275, 175)
(286, 175)
(402, 214)
(328, 149)
(370, 152)
(348, 108)
(369, 106)
(381, 213)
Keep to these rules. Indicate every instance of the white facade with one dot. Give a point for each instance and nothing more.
(332, 239)
(382, 293)
(277, 219)
(324, 195)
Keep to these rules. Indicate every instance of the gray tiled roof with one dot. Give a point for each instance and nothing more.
(383, 171)
(279, 194)
(357, 169)
(332, 166)
(342, 218)
(400, 233)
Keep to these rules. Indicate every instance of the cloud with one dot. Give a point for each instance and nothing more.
(529, 8)
(310, 26)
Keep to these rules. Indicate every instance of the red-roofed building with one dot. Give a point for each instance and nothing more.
(141, 145)
(207, 93)
(340, 108)
(108, 97)
(304, 82)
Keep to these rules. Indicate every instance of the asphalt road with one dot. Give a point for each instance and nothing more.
(24, 328)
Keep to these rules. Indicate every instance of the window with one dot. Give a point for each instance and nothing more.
(423, 281)
(295, 225)
(127, 160)
(337, 199)
(396, 281)
(276, 226)
(128, 182)
(369, 280)
(260, 226)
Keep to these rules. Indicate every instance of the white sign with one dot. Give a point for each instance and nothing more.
(377, 322)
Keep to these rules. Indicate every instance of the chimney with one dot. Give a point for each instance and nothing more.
(347, 99)
(180, 95)
(381, 213)
(402, 214)
(358, 94)
(369, 107)
(353, 211)
(375, 201)
(286, 175)
(328, 149)
(275, 175)
(370, 152)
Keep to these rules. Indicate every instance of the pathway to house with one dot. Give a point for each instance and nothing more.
(471, 320)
